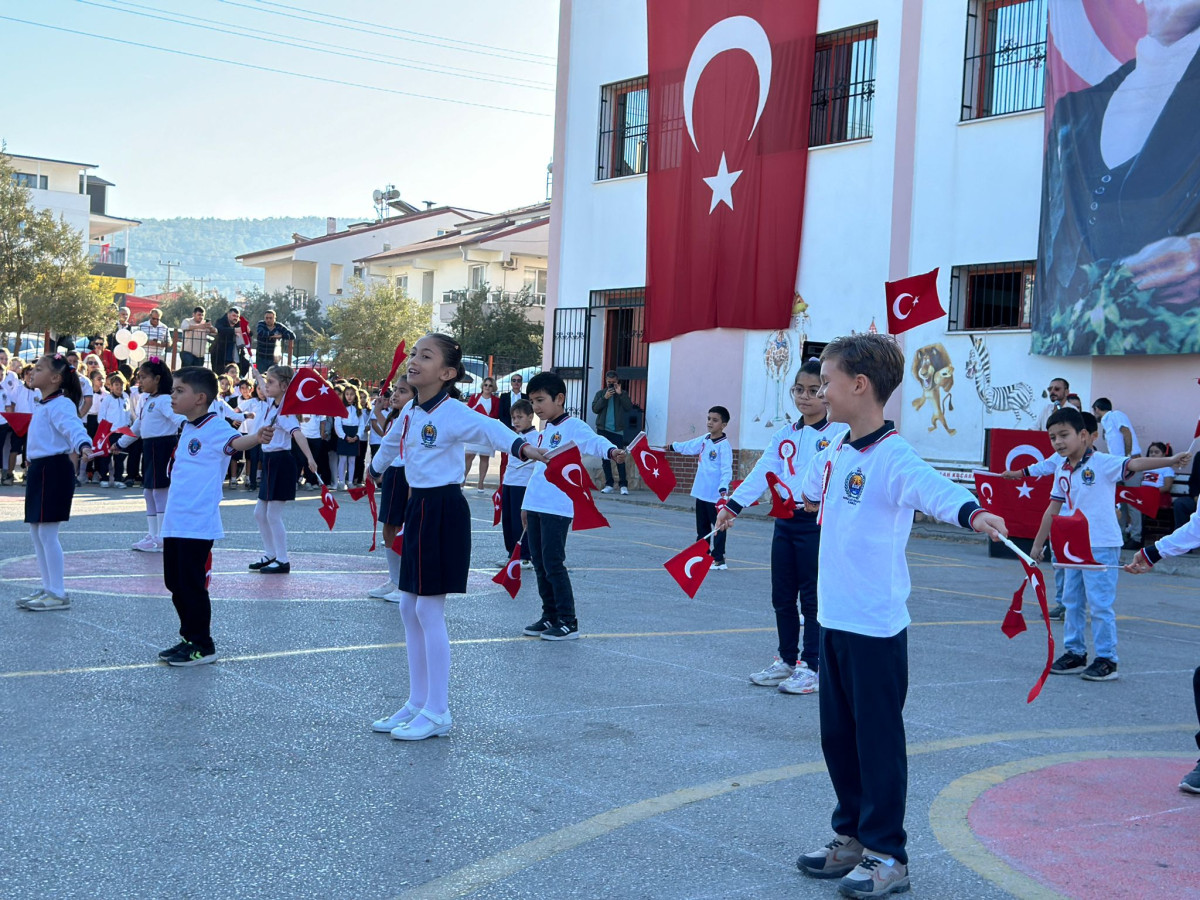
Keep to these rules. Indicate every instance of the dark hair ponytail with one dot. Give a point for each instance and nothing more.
(155, 366)
(451, 358)
(70, 386)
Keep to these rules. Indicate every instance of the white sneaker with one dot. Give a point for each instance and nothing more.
(624, 492)
(103, 484)
(802, 681)
(721, 566)
(120, 486)
(379, 593)
(607, 489)
(776, 673)
(146, 545)
(158, 546)
(527, 564)
(49, 601)
(23, 602)
(801, 620)
(395, 596)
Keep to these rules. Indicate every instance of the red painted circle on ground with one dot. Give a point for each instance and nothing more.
(315, 576)
(1097, 828)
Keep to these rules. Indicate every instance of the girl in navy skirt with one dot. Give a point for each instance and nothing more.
(279, 472)
(433, 433)
(157, 426)
(55, 432)
(395, 490)
(349, 434)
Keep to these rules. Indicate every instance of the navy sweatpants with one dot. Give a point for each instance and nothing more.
(794, 549)
(706, 520)
(511, 499)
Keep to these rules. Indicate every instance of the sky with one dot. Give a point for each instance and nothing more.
(183, 136)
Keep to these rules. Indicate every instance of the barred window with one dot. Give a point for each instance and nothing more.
(843, 86)
(624, 129)
(1005, 68)
(995, 295)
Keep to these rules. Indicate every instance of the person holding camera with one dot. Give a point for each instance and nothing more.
(612, 406)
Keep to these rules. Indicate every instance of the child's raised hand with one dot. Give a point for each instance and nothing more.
(990, 524)
(266, 433)
(1012, 473)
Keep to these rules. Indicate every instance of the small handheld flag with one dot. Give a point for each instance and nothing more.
(1014, 621)
(329, 507)
(783, 502)
(509, 577)
(19, 422)
(497, 507)
(397, 360)
(310, 394)
(100, 440)
(368, 491)
(1071, 541)
(398, 542)
(1144, 499)
(690, 567)
(653, 466)
(564, 470)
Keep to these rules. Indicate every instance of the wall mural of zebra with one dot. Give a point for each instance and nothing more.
(1014, 398)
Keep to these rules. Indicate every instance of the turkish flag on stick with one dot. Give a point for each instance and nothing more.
(19, 422)
(783, 503)
(368, 490)
(397, 358)
(124, 429)
(1071, 541)
(1143, 499)
(1014, 621)
(653, 466)
(310, 394)
(329, 507)
(509, 577)
(565, 471)
(100, 439)
(728, 150)
(244, 325)
(497, 506)
(1019, 502)
(690, 567)
(912, 302)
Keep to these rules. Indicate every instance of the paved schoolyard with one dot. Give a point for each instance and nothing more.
(636, 763)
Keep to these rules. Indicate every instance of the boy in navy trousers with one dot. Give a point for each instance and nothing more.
(714, 471)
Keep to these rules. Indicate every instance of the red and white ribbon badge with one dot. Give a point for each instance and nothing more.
(787, 452)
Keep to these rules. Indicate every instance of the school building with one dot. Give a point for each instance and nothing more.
(926, 136)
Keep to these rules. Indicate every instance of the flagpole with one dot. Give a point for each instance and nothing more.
(1018, 551)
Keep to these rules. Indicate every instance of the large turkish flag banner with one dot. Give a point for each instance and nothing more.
(730, 87)
(1016, 448)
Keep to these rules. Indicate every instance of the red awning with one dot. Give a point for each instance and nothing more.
(139, 306)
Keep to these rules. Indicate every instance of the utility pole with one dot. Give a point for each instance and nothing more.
(170, 264)
(202, 280)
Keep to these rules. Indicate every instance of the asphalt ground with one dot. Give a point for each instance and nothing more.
(638, 762)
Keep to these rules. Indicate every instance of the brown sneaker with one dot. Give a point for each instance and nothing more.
(874, 878)
(834, 860)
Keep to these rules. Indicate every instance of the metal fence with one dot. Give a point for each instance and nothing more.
(624, 129)
(843, 90)
(569, 353)
(1005, 58)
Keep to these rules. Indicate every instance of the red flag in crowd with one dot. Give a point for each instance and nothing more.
(690, 567)
(726, 191)
(398, 542)
(310, 394)
(509, 577)
(1197, 434)
(368, 491)
(126, 430)
(912, 301)
(1071, 541)
(100, 439)
(1144, 499)
(1016, 448)
(497, 506)
(329, 507)
(1020, 502)
(244, 325)
(653, 466)
(1014, 621)
(19, 422)
(565, 471)
(397, 359)
(783, 503)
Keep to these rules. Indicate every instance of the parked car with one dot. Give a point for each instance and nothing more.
(525, 373)
(31, 348)
(475, 365)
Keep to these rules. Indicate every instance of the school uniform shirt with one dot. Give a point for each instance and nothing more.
(135, 400)
(397, 422)
(311, 428)
(714, 470)
(434, 435)
(868, 490)
(250, 425)
(353, 417)
(115, 411)
(1157, 477)
(519, 471)
(543, 497)
(94, 407)
(55, 428)
(795, 442)
(285, 427)
(1047, 466)
(85, 388)
(25, 398)
(155, 419)
(1091, 487)
(221, 407)
(197, 470)
(1114, 420)
(369, 421)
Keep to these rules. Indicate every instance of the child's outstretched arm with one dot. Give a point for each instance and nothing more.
(1142, 463)
(1039, 541)
(1184, 538)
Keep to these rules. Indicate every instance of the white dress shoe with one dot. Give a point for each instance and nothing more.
(395, 596)
(432, 725)
(402, 716)
(382, 591)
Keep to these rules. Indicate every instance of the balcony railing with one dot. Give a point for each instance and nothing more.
(103, 253)
(495, 297)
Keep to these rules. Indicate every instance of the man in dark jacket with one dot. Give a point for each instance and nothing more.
(509, 397)
(267, 335)
(227, 342)
(612, 406)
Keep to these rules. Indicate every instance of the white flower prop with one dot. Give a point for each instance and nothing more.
(129, 346)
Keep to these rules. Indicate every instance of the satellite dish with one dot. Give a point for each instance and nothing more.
(377, 196)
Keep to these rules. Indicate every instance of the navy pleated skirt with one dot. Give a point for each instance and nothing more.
(437, 542)
(279, 472)
(394, 502)
(156, 461)
(49, 489)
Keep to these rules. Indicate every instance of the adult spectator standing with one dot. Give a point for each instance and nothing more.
(158, 335)
(1057, 391)
(122, 322)
(1121, 440)
(107, 358)
(509, 397)
(611, 406)
(224, 350)
(193, 338)
(267, 335)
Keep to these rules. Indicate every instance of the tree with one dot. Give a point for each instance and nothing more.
(498, 328)
(366, 325)
(44, 279)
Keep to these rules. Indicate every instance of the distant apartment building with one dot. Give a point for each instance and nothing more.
(506, 253)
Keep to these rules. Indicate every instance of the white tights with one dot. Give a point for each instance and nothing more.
(49, 556)
(156, 508)
(345, 469)
(428, 652)
(269, 516)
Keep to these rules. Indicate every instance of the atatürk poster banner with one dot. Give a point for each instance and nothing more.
(1119, 251)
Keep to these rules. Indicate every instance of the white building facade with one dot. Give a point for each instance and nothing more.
(926, 139)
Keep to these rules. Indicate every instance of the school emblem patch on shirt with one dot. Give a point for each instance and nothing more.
(712, 454)
(1089, 477)
(194, 446)
(555, 439)
(822, 443)
(855, 482)
(429, 434)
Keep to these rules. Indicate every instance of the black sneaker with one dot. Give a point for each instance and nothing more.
(561, 633)
(190, 654)
(171, 651)
(1058, 613)
(1101, 669)
(274, 567)
(1068, 664)
(1191, 781)
(265, 561)
(537, 629)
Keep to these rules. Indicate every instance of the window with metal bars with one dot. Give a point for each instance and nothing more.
(991, 296)
(1005, 58)
(624, 129)
(843, 91)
